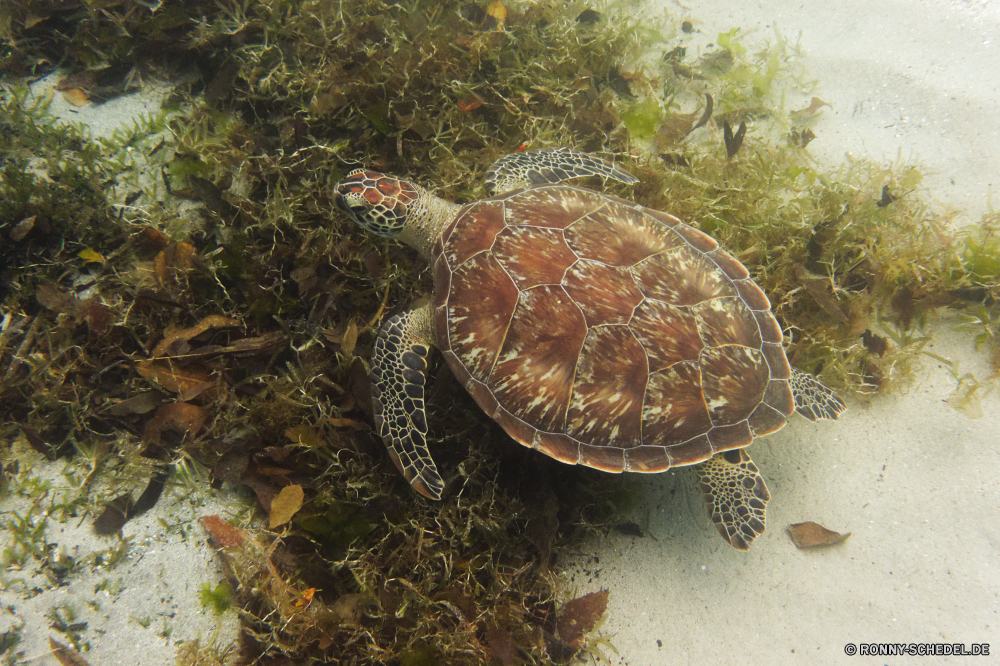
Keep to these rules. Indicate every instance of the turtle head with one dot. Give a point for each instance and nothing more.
(379, 203)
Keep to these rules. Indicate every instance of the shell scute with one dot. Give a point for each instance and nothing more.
(648, 459)
(673, 408)
(663, 218)
(618, 235)
(734, 378)
(483, 396)
(726, 321)
(725, 438)
(608, 388)
(473, 231)
(604, 458)
(776, 360)
(682, 276)
(729, 264)
(696, 450)
(699, 239)
(765, 420)
(753, 295)
(779, 396)
(533, 255)
(533, 374)
(668, 333)
(559, 446)
(480, 305)
(770, 331)
(552, 207)
(521, 432)
(606, 294)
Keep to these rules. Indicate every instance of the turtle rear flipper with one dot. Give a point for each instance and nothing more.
(813, 400)
(399, 372)
(736, 496)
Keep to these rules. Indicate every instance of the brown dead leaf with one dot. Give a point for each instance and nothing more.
(91, 256)
(964, 399)
(267, 343)
(182, 417)
(350, 340)
(262, 487)
(499, 645)
(814, 535)
(178, 380)
(76, 96)
(97, 315)
(347, 423)
(815, 105)
(263, 344)
(902, 306)
(155, 237)
(57, 300)
(114, 515)
(31, 19)
(175, 340)
(22, 229)
(137, 404)
(285, 505)
(280, 474)
(871, 374)
(874, 343)
(66, 655)
(675, 128)
(176, 256)
(277, 453)
(160, 268)
(227, 535)
(579, 617)
(306, 435)
(822, 292)
(470, 104)
(231, 466)
(497, 10)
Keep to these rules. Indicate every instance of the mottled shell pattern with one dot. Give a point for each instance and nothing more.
(604, 333)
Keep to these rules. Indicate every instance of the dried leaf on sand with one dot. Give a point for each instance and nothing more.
(814, 535)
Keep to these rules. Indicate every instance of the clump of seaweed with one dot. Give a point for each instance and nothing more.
(219, 319)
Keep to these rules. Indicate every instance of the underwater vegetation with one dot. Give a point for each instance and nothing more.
(182, 294)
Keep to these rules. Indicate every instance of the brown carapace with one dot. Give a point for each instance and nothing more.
(606, 334)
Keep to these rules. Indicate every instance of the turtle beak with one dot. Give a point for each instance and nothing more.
(341, 202)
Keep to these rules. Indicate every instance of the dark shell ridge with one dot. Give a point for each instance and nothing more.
(606, 334)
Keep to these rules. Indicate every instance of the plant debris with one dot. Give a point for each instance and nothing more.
(285, 505)
(579, 617)
(814, 535)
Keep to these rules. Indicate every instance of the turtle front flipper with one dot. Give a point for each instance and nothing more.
(399, 372)
(813, 400)
(736, 496)
(547, 166)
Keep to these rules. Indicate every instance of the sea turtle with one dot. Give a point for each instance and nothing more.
(592, 329)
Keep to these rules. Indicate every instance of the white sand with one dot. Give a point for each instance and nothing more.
(138, 609)
(914, 481)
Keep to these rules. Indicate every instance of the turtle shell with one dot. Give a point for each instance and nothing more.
(604, 333)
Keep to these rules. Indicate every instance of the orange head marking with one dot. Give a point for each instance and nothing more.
(377, 202)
